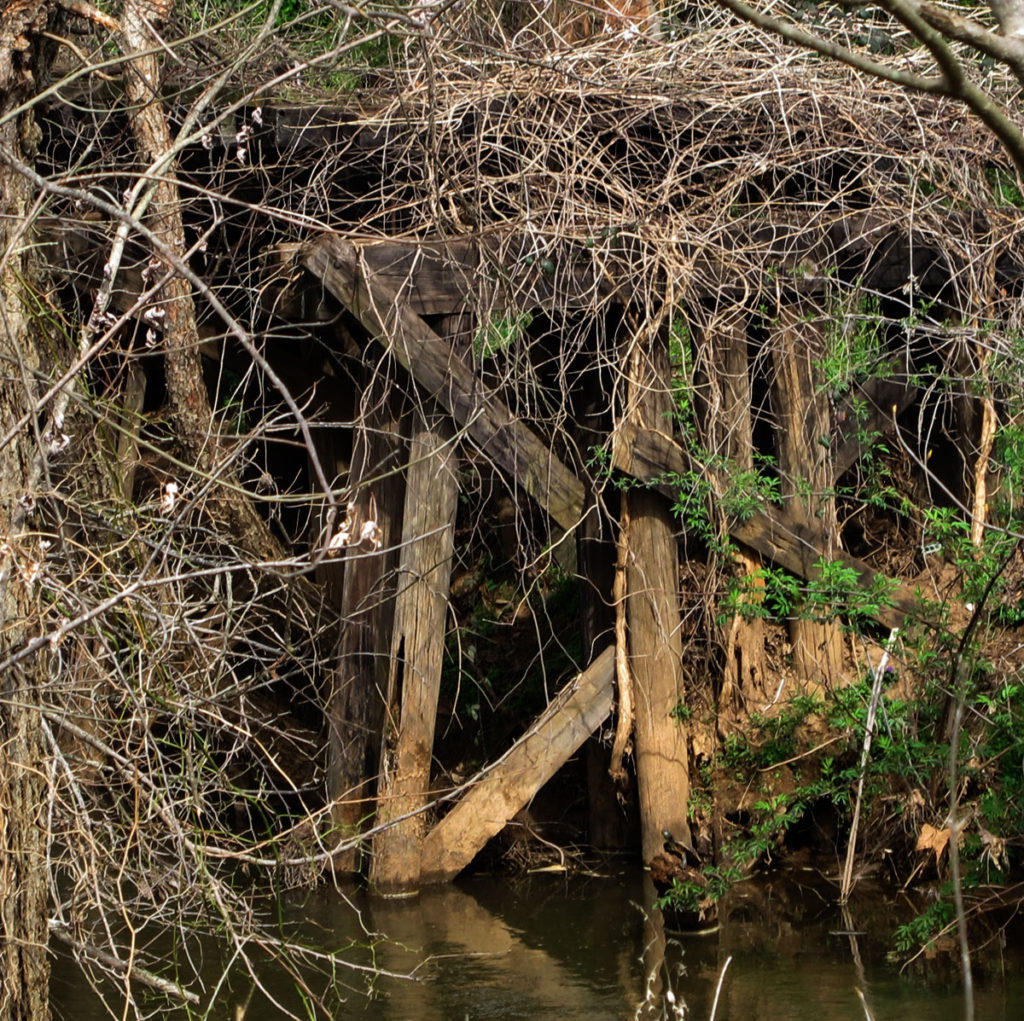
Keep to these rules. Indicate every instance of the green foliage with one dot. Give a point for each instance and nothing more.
(1004, 187)
(779, 732)
(921, 930)
(499, 333)
(905, 751)
(854, 346)
(693, 895)
(681, 713)
(681, 362)
(770, 818)
(693, 505)
(1000, 758)
(835, 591)
(1008, 453)
(599, 462)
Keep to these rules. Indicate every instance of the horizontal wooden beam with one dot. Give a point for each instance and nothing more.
(446, 377)
(462, 274)
(572, 716)
(508, 269)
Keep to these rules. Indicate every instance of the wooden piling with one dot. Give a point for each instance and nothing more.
(417, 652)
(653, 618)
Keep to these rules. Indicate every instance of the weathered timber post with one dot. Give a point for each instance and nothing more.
(606, 821)
(728, 433)
(653, 619)
(803, 442)
(333, 449)
(417, 653)
(355, 705)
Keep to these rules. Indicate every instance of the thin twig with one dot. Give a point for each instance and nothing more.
(718, 988)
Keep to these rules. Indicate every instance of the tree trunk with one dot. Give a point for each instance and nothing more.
(803, 439)
(24, 883)
(190, 407)
(653, 619)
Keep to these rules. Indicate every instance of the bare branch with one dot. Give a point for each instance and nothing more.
(1007, 49)
(808, 40)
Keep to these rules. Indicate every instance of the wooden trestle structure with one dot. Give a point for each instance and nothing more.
(390, 287)
(388, 566)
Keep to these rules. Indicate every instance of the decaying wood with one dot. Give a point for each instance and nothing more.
(803, 438)
(653, 618)
(623, 680)
(578, 709)
(650, 454)
(499, 271)
(453, 275)
(355, 703)
(447, 378)
(728, 428)
(417, 653)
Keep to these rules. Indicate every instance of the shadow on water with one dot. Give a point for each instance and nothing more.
(549, 948)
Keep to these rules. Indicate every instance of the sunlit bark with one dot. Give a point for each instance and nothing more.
(24, 965)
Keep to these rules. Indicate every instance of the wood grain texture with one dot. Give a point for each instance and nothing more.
(447, 378)
(571, 717)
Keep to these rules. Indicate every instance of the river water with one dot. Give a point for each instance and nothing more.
(548, 947)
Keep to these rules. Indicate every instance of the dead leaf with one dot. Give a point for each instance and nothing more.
(993, 848)
(932, 839)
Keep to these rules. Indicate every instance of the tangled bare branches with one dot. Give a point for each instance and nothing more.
(686, 175)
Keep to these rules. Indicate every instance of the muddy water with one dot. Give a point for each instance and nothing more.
(547, 948)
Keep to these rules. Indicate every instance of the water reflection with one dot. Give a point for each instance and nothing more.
(548, 947)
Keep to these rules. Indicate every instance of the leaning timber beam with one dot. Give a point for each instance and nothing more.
(651, 455)
(446, 377)
(572, 716)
